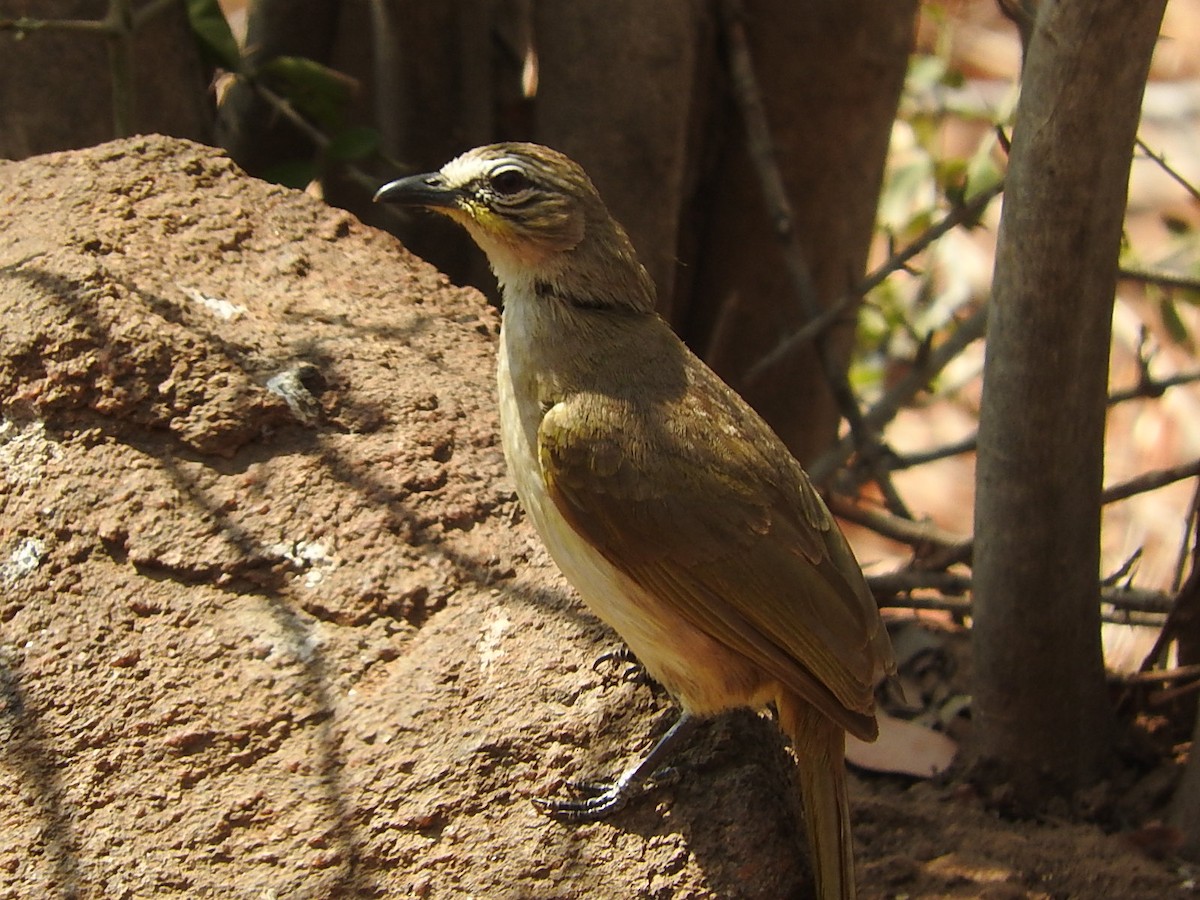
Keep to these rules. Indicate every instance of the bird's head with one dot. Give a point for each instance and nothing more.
(539, 219)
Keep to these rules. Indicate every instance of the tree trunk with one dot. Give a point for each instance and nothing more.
(1185, 805)
(56, 87)
(626, 115)
(831, 72)
(1040, 702)
(640, 95)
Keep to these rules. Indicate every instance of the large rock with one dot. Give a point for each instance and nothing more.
(259, 648)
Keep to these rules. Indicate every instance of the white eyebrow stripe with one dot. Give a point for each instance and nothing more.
(466, 168)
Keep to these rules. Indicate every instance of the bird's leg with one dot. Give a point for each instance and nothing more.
(608, 800)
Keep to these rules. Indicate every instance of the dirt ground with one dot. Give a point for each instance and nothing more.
(273, 626)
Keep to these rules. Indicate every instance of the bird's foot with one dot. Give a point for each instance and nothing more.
(635, 672)
(606, 799)
(602, 799)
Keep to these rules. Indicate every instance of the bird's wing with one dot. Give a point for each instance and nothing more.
(739, 543)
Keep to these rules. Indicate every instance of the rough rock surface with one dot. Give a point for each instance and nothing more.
(272, 625)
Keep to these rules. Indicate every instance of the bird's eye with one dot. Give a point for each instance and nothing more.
(509, 181)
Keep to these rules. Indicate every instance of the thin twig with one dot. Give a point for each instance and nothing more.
(911, 460)
(761, 147)
(906, 531)
(26, 24)
(1149, 481)
(118, 26)
(952, 584)
(1151, 388)
(1189, 539)
(1143, 389)
(762, 152)
(961, 608)
(900, 259)
(948, 584)
(949, 551)
(1185, 611)
(951, 548)
(120, 65)
(285, 108)
(904, 390)
(1166, 167)
(1172, 694)
(1160, 676)
(319, 139)
(1162, 279)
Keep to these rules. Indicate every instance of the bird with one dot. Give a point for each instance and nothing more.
(671, 507)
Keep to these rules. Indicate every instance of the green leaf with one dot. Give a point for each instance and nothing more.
(212, 33)
(907, 193)
(983, 172)
(357, 142)
(316, 91)
(925, 72)
(951, 174)
(1173, 323)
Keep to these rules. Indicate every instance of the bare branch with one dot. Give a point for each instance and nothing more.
(762, 152)
(1165, 166)
(319, 139)
(951, 548)
(889, 587)
(118, 26)
(1162, 279)
(1148, 387)
(948, 584)
(120, 65)
(1160, 676)
(899, 259)
(906, 531)
(1149, 481)
(285, 108)
(910, 460)
(904, 390)
(25, 24)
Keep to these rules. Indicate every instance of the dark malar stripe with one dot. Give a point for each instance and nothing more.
(546, 291)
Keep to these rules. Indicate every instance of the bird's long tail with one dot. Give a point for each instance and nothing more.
(820, 746)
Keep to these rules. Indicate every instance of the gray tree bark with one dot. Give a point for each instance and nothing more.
(1040, 707)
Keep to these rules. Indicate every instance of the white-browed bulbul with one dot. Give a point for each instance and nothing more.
(670, 506)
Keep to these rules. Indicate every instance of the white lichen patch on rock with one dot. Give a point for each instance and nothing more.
(25, 558)
(26, 451)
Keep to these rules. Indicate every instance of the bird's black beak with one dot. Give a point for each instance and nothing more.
(428, 190)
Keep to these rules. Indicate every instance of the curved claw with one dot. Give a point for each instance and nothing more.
(602, 799)
(621, 654)
(635, 672)
(598, 806)
(607, 799)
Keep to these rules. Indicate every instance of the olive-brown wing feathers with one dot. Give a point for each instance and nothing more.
(696, 501)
